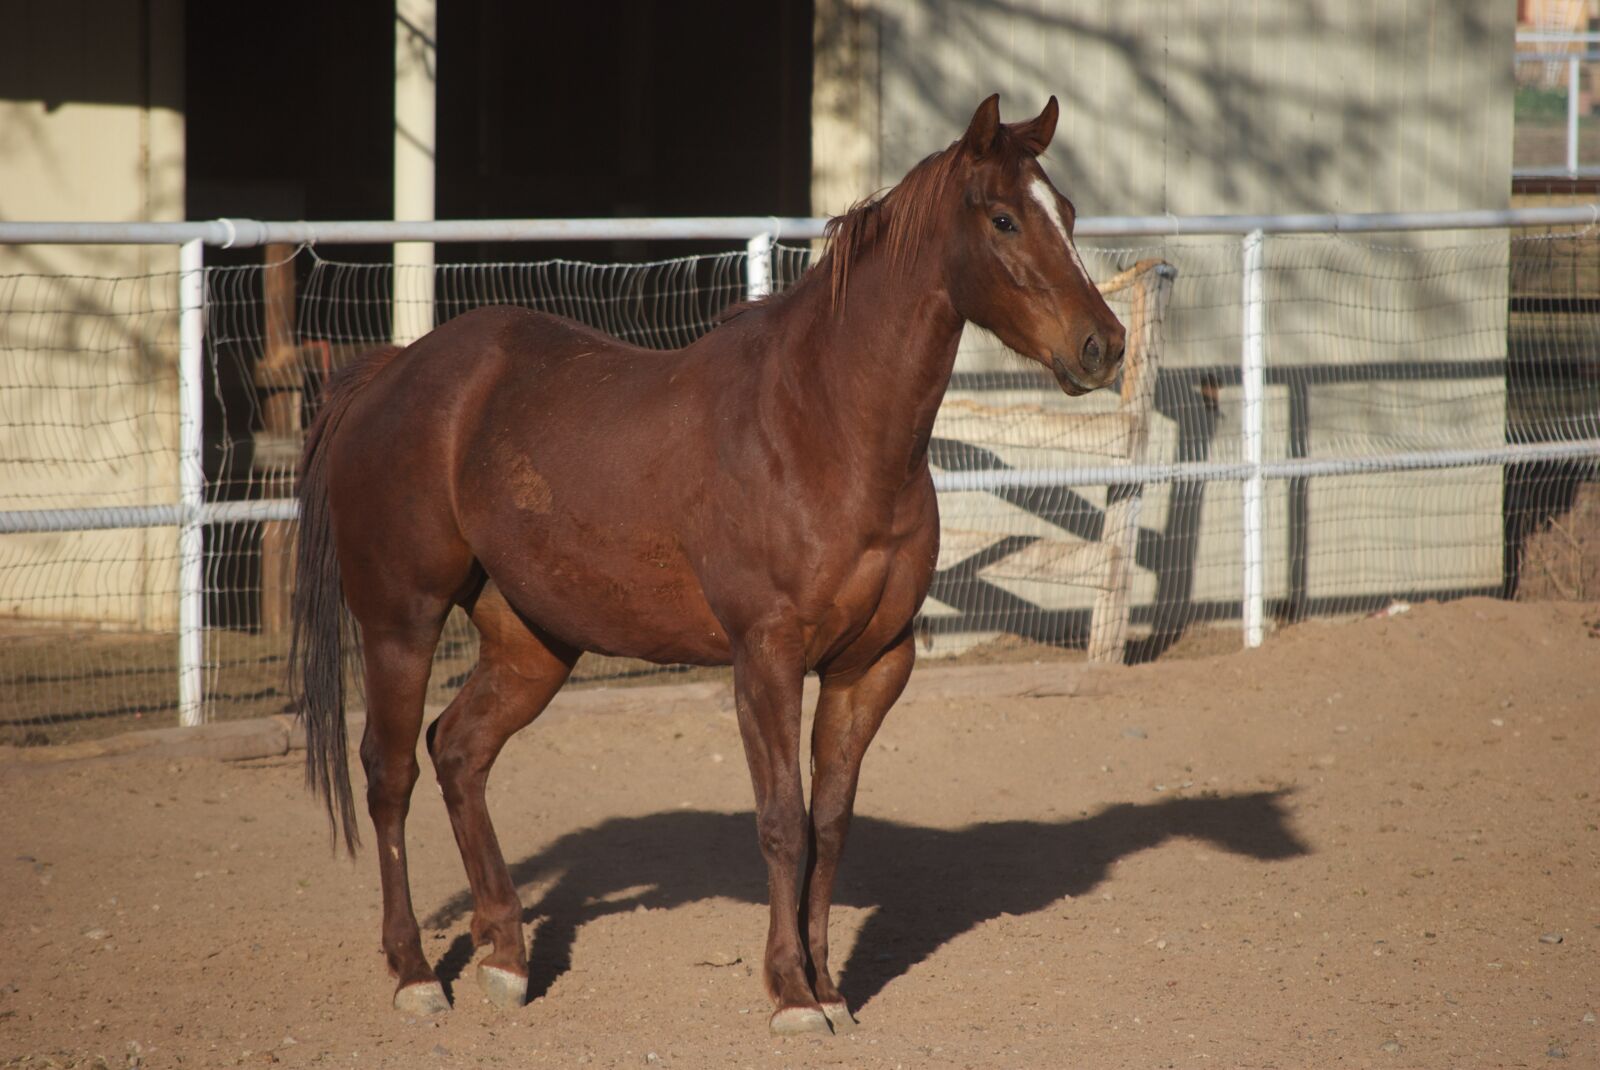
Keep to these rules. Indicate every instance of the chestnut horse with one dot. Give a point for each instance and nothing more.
(760, 498)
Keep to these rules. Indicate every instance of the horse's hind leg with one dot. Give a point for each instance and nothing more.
(849, 710)
(397, 660)
(517, 674)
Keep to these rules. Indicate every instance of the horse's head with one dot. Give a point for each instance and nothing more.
(1011, 265)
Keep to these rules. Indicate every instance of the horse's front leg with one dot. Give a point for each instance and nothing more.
(768, 669)
(849, 710)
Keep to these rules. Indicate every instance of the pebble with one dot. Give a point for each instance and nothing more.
(1551, 938)
(98, 934)
(1556, 1051)
(1135, 733)
(1588, 1017)
(1391, 1046)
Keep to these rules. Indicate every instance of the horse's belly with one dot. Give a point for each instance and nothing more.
(643, 602)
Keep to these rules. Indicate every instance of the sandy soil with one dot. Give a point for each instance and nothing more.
(1367, 844)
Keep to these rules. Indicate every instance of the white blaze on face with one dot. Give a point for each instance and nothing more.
(1040, 191)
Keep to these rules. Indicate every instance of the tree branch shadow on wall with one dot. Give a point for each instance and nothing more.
(923, 886)
(1210, 105)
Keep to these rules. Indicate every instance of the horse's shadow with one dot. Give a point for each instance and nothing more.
(925, 886)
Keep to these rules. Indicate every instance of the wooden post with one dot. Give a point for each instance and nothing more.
(1108, 627)
(279, 385)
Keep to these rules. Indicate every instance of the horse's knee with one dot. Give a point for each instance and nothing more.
(830, 834)
(780, 830)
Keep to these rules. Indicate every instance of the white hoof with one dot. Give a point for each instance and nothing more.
(423, 1000)
(793, 1021)
(505, 989)
(839, 1017)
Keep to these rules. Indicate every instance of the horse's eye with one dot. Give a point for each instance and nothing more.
(1003, 224)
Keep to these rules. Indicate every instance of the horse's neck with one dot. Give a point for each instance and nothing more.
(877, 369)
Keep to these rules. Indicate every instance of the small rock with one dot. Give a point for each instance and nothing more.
(441, 1051)
(1551, 938)
(1588, 1017)
(97, 934)
(652, 1058)
(1556, 1051)
(1135, 733)
(1498, 722)
(1391, 1046)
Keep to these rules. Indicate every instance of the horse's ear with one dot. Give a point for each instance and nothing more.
(980, 135)
(1037, 132)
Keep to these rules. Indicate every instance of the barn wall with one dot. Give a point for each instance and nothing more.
(91, 128)
(1265, 107)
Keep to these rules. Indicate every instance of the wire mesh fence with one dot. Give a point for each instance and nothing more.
(1405, 367)
(88, 417)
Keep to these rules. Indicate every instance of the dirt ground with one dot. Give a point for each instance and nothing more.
(1369, 843)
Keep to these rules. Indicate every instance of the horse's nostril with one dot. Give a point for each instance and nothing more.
(1091, 354)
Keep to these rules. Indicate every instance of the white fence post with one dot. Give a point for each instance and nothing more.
(1572, 117)
(416, 24)
(191, 480)
(758, 267)
(1252, 372)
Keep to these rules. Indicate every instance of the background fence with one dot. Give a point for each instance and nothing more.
(1556, 136)
(1332, 422)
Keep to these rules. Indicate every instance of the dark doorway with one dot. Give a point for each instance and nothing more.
(622, 108)
(603, 108)
(289, 111)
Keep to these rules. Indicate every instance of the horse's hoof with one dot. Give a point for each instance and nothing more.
(839, 1017)
(505, 989)
(422, 1000)
(794, 1021)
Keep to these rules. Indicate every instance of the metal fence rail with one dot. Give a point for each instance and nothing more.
(192, 513)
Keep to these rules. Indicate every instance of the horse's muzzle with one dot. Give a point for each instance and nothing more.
(1097, 363)
(1069, 382)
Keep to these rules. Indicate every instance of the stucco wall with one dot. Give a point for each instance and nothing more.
(91, 128)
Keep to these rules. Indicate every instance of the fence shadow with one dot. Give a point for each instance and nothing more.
(925, 886)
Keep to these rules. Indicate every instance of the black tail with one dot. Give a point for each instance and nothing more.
(323, 632)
